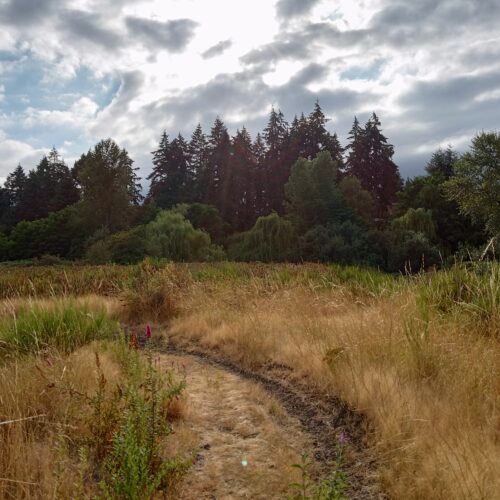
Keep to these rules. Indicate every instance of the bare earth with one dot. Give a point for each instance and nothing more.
(245, 441)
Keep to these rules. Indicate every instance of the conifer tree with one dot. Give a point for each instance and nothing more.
(159, 174)
(370, 160)
(261, 206)
(198, 154)
(219, 150)
(240, 183)
(277, 164)
(172, 180)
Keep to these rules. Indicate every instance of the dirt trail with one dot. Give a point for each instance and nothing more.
(246, 440)
(321, 417)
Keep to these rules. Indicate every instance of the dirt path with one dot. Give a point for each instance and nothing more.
(246, 440)
(321, 418)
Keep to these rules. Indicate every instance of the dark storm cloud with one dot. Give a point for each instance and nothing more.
(25, 12)
(426, 21)
(450, 97)
(217, 49)
(304, 44)
(82, 25)
(173, 35)
(286, 9)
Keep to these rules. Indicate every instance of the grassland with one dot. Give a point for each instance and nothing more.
(418, 356)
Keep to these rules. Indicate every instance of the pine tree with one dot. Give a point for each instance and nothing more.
(171, 179)
(198, 152)
(219, 151)
(158, 176)
(241, 182)
(277, 161)
(261, 206)
(297, 144)
(384, 178)
(14, 192)
(370, 160)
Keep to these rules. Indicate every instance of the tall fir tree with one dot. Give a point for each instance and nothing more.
(14, 188)
(158, 176)
(172, 181)
(277, 160)
(50, 187)
(241, 182)
(198, 152)
(261, 205)
(218, 158)
(370, 160)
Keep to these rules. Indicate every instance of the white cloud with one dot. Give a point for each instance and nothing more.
(14, 152)
(265, 53)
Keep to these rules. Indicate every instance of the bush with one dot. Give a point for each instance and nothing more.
(171, 236)
(125, 247)
(272, 239)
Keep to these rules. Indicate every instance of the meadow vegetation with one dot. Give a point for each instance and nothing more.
(417, 355)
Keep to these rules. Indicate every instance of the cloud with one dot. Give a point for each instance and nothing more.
(217, 49)
(81, 25)
(430, 69)
(13, 152)
(173, 35)
(26, 12)
(286, 9)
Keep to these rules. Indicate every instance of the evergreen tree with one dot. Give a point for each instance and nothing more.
(297, 144)
(110, 185)
(198, 152)
(159, 174)
(219, 151)
(261, 206)
(14, 188)
(441, 163)
(277, 164)
(370, 160)
(181, 183)
(241, 183)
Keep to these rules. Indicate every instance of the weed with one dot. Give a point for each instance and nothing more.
(331, 488)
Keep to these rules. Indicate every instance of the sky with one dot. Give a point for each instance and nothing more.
(75, 71)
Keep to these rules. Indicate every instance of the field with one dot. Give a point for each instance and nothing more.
(410, 363)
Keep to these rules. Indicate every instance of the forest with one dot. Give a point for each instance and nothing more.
(291, 194)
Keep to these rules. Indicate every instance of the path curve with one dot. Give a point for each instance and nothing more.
(321, 417)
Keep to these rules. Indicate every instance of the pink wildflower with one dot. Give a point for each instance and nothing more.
(148, 331)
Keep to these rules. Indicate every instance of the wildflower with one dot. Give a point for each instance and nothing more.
(343, 439)
(148, 331)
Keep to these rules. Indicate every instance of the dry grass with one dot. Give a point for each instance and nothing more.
(35, 459)
(430, 385)
(419, 357)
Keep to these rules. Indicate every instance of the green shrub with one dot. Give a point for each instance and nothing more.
(271, 239)
(171, 236)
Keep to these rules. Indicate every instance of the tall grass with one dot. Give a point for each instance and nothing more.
(62, 324)
(419, 356)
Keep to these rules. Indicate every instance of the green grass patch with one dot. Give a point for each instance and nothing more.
(64, 325)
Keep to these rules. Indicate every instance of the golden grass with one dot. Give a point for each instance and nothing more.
(35, 461)
(430, 387)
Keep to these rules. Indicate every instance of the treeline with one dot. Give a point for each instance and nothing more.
(291, 194)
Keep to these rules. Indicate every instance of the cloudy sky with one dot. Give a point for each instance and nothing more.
(75, 71)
